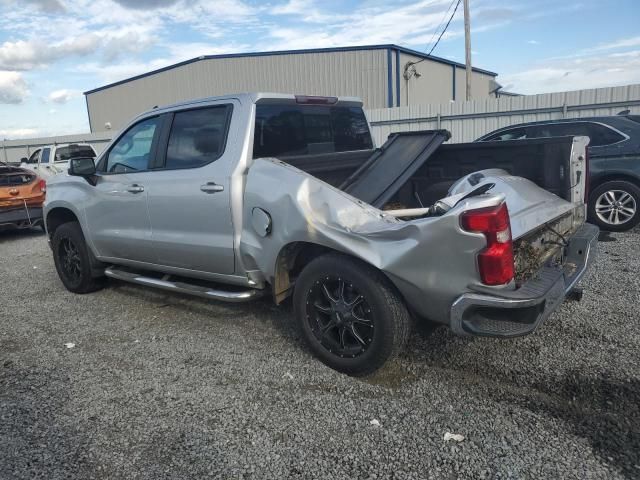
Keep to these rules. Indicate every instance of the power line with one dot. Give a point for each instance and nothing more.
(445, 27)
(435, 30)
(439, 38)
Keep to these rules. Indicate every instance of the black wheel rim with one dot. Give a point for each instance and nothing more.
(70, 260)
(340, 317)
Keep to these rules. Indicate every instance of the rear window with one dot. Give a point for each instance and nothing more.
(289, 130)
(73, 151)
(11, 177)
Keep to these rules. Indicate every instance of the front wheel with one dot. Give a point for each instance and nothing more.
(350, 315)
(72, 259)
(614, 206)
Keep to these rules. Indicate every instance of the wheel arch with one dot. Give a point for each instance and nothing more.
(294, 256)
(613, 177)
(58, 216)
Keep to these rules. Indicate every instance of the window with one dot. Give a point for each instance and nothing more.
(512, 134)
(63, 154)
(132, 151)
(45, 155)
(34, 157)
(287, 130)
(599, 134)
(197, 137)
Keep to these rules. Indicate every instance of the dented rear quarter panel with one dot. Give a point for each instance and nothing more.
(431, 260)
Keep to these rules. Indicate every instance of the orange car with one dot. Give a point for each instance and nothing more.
(22, 194)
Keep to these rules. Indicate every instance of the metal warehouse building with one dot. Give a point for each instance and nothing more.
(374, 73)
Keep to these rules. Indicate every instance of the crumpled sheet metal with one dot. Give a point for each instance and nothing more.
(431, 260)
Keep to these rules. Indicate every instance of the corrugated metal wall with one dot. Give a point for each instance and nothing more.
(436, 83)
(360, 73)
(469, 120)
(11, 151)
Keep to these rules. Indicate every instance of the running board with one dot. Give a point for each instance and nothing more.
(189, 289)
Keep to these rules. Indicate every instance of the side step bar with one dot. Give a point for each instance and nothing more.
(196, 290)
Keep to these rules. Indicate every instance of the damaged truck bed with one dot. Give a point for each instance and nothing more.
(488, 238)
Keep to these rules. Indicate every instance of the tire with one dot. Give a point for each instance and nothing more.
(614, 206)
(73, 260)
(370, 320)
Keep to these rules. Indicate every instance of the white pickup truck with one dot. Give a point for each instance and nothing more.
(53, 159)
(235, 197)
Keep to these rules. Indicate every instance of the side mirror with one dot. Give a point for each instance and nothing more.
(24, 160)
(82, 167)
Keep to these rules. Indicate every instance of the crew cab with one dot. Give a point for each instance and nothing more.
(241, 196)
(53, 159)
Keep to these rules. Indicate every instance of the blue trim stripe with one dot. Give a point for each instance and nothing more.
(389, 80)
(397, 78)
(453, 81)
(86, 102)
(292, 52)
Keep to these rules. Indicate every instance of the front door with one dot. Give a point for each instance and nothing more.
(117, 214)
(189, 201)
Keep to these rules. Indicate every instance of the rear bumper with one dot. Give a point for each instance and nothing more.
(21, 217)
(519, 312)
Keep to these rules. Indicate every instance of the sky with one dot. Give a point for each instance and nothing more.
(51, 51)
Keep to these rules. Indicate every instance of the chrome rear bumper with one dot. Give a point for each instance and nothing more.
(519, 312)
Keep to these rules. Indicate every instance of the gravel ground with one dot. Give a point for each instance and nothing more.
(165, 386)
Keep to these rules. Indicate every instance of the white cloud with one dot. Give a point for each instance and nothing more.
(13, 88)
(62, 96)
(622, 43)
(556, 75)
(14, 133)
(293, 7)
(533, 42)
(26, 55)
(47, 6)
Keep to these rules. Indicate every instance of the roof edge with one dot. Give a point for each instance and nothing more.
(290, 52)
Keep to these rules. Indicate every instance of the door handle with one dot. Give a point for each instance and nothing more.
(135, 188)
(211, 187)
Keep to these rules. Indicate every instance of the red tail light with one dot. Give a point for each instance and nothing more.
(43, 185)
(586, 176)
(495, 262)
(314, 100)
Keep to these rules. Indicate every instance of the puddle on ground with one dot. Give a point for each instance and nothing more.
(606, 237)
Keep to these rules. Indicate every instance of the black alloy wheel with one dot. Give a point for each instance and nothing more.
(74, 262)
(70, 260)
(350, 314)
(340, 317)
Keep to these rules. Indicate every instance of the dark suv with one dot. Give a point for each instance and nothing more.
(614, 163)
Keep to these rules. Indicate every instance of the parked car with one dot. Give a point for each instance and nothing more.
(22, 195)
(236, 197)
(54, 159)
(614, 163)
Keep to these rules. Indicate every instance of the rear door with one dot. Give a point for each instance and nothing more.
(117, 215)
(189, 198)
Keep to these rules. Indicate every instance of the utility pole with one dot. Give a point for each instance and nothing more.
(467, 47)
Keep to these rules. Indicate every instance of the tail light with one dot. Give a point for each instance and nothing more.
(586, 176)
(43, 185)
(496, 261)
(315, 100)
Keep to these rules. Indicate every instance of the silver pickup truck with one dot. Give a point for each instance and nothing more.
(236, 197)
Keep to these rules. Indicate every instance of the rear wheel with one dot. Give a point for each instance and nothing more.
(614, 206)
(351, 316)
(73, 259)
